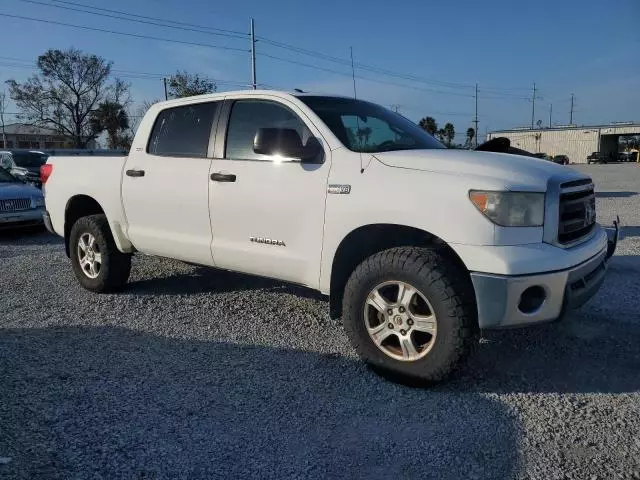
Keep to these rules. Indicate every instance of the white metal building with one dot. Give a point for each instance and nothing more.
(577, 142)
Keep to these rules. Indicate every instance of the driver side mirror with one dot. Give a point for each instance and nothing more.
(287, 143)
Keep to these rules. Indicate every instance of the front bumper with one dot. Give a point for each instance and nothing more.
(499, 297)
(21, 218)
(47, 222)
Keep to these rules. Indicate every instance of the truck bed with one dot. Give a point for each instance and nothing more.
(98, 177)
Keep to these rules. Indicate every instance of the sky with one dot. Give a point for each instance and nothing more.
(423, 58)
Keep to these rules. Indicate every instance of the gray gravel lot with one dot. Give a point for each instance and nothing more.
(195, 373)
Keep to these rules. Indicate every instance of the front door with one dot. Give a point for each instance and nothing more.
(267, 212)
(165, 188)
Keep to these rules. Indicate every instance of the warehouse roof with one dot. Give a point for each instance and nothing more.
(621, 125)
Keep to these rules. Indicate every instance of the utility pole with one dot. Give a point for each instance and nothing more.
(166, 95)
(571, 111)
(533, 105)
(550, 110)
(254, 85)
(3, 106)
(475, 120)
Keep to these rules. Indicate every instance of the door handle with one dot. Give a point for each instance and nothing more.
(223, 177)
(135, 173)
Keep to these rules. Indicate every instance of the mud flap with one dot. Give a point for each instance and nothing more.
(613, 236)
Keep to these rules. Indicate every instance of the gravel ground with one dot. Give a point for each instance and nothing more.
(194, 373)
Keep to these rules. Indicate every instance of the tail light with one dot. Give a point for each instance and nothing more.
(45, 172)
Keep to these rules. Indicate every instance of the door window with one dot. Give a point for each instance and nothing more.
(183, 131)
(247, 116)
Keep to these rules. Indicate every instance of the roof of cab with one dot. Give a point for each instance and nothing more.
(219, 95)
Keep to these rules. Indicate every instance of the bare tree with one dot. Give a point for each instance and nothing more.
(184, 84)
(70, 85)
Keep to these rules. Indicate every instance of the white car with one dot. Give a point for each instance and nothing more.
(417, 246)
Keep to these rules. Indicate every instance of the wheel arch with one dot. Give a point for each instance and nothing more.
(368, 240)
(77, 207)
(82, 205)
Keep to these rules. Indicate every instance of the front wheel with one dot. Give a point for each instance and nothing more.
(410, 313)
(97, 263)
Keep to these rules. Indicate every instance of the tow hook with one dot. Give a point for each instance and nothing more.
(613, 236)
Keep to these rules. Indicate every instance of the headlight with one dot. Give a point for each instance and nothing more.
(510, 209)
(38, 202)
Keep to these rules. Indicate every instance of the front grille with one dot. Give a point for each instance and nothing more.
(577, 216)
(15, 204)
(576, 183)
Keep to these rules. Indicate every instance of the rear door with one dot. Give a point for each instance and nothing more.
(165, 188)
(267, 212)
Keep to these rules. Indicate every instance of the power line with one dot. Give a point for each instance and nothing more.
(385, 82)
(147, 22)
(362, 66)
(368, 79)
(133, 74)
(382, 71)
(134, 35)
(241, 35)
(437, 112)
(146, 17)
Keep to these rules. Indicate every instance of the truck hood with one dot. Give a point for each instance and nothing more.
(516, 172)
(18, 190)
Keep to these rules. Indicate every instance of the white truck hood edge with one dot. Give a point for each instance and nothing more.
(515, 171)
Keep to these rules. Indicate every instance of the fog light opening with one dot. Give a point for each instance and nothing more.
(532, 299)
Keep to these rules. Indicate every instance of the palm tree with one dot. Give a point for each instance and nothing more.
(441, 134)
(363, 135)
(112, 117)
(470, 134)
(449, 133)
(429, 125)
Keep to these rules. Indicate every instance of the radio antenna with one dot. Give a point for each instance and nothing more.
(353, 75)
(355, 97)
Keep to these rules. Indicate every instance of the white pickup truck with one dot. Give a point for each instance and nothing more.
(417, 246)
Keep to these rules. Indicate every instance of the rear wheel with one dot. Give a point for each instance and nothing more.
(410, 313)
(97, 263)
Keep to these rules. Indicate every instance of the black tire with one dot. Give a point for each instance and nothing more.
(448, 289)
(115, 266)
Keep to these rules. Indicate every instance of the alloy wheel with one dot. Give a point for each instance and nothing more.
(89, 255)
(400, 321)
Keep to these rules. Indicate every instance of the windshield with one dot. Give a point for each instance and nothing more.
(6, 177)
(367, 127)
(30, 159)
